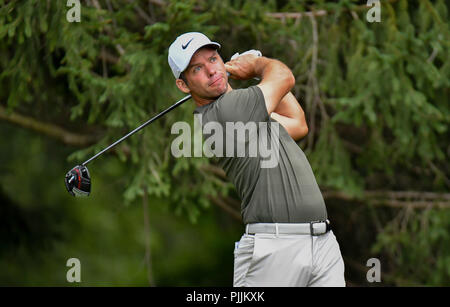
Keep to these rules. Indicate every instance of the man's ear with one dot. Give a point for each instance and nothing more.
(182, 86)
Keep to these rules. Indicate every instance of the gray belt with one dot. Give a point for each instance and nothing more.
(316, 228)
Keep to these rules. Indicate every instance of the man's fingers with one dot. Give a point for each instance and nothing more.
(230, 63)
(230, 69)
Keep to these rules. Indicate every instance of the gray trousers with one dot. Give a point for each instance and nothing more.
(268, 260)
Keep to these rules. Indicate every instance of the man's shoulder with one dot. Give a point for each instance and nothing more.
(239, 97)
(225, 101)
(248, 92)
(236, 105)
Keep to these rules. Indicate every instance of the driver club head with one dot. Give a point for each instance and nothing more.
(78, 181)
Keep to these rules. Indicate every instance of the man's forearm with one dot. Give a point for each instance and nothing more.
(289, 107)
(276, 81)
(276, 78)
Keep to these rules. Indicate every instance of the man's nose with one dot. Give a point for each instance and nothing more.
(211, 69)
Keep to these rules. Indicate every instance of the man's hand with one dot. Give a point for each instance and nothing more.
(242, 67)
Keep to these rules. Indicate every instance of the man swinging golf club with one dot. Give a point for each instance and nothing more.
(287, 239)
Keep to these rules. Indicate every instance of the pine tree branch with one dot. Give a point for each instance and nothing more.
(437, 18)
(297, 15)
(311, 100)
(410, 195)
(48, 129)
(319, 13)
(144, 16)
(396, 199)
(106, 56)
(157, 2)
(148, 257)
(313, 83)
(226, 206)
(215, 170)
(119, 47)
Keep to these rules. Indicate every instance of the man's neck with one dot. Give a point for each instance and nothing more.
(199, 101)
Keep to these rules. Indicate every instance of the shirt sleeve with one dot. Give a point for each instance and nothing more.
(243, 105)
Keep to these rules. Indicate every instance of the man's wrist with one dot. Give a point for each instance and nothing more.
(260, 64)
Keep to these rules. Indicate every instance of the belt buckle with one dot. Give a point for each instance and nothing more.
(311, 228)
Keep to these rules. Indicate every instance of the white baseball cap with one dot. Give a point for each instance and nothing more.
(184, 47)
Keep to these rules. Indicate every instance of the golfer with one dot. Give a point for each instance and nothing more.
(287, 239)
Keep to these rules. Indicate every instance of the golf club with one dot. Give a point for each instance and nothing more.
(78, 181)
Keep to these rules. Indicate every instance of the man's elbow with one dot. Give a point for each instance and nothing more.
(301, 132)
(304, 131)
(290, 80)
(284, 73)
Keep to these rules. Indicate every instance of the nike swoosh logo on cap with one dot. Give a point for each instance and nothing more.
(187, 44)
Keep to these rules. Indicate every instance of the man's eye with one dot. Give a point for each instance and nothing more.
(197, 69)
(213, 59)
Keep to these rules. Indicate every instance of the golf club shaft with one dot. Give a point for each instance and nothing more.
(139, 128)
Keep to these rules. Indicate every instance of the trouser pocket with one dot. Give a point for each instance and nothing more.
(243, 254)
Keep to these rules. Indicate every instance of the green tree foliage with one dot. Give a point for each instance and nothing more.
(375, 95)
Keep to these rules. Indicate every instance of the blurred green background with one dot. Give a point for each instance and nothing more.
(376, 98)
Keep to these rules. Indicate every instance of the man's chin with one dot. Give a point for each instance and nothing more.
(213, 94)
(219, 92)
